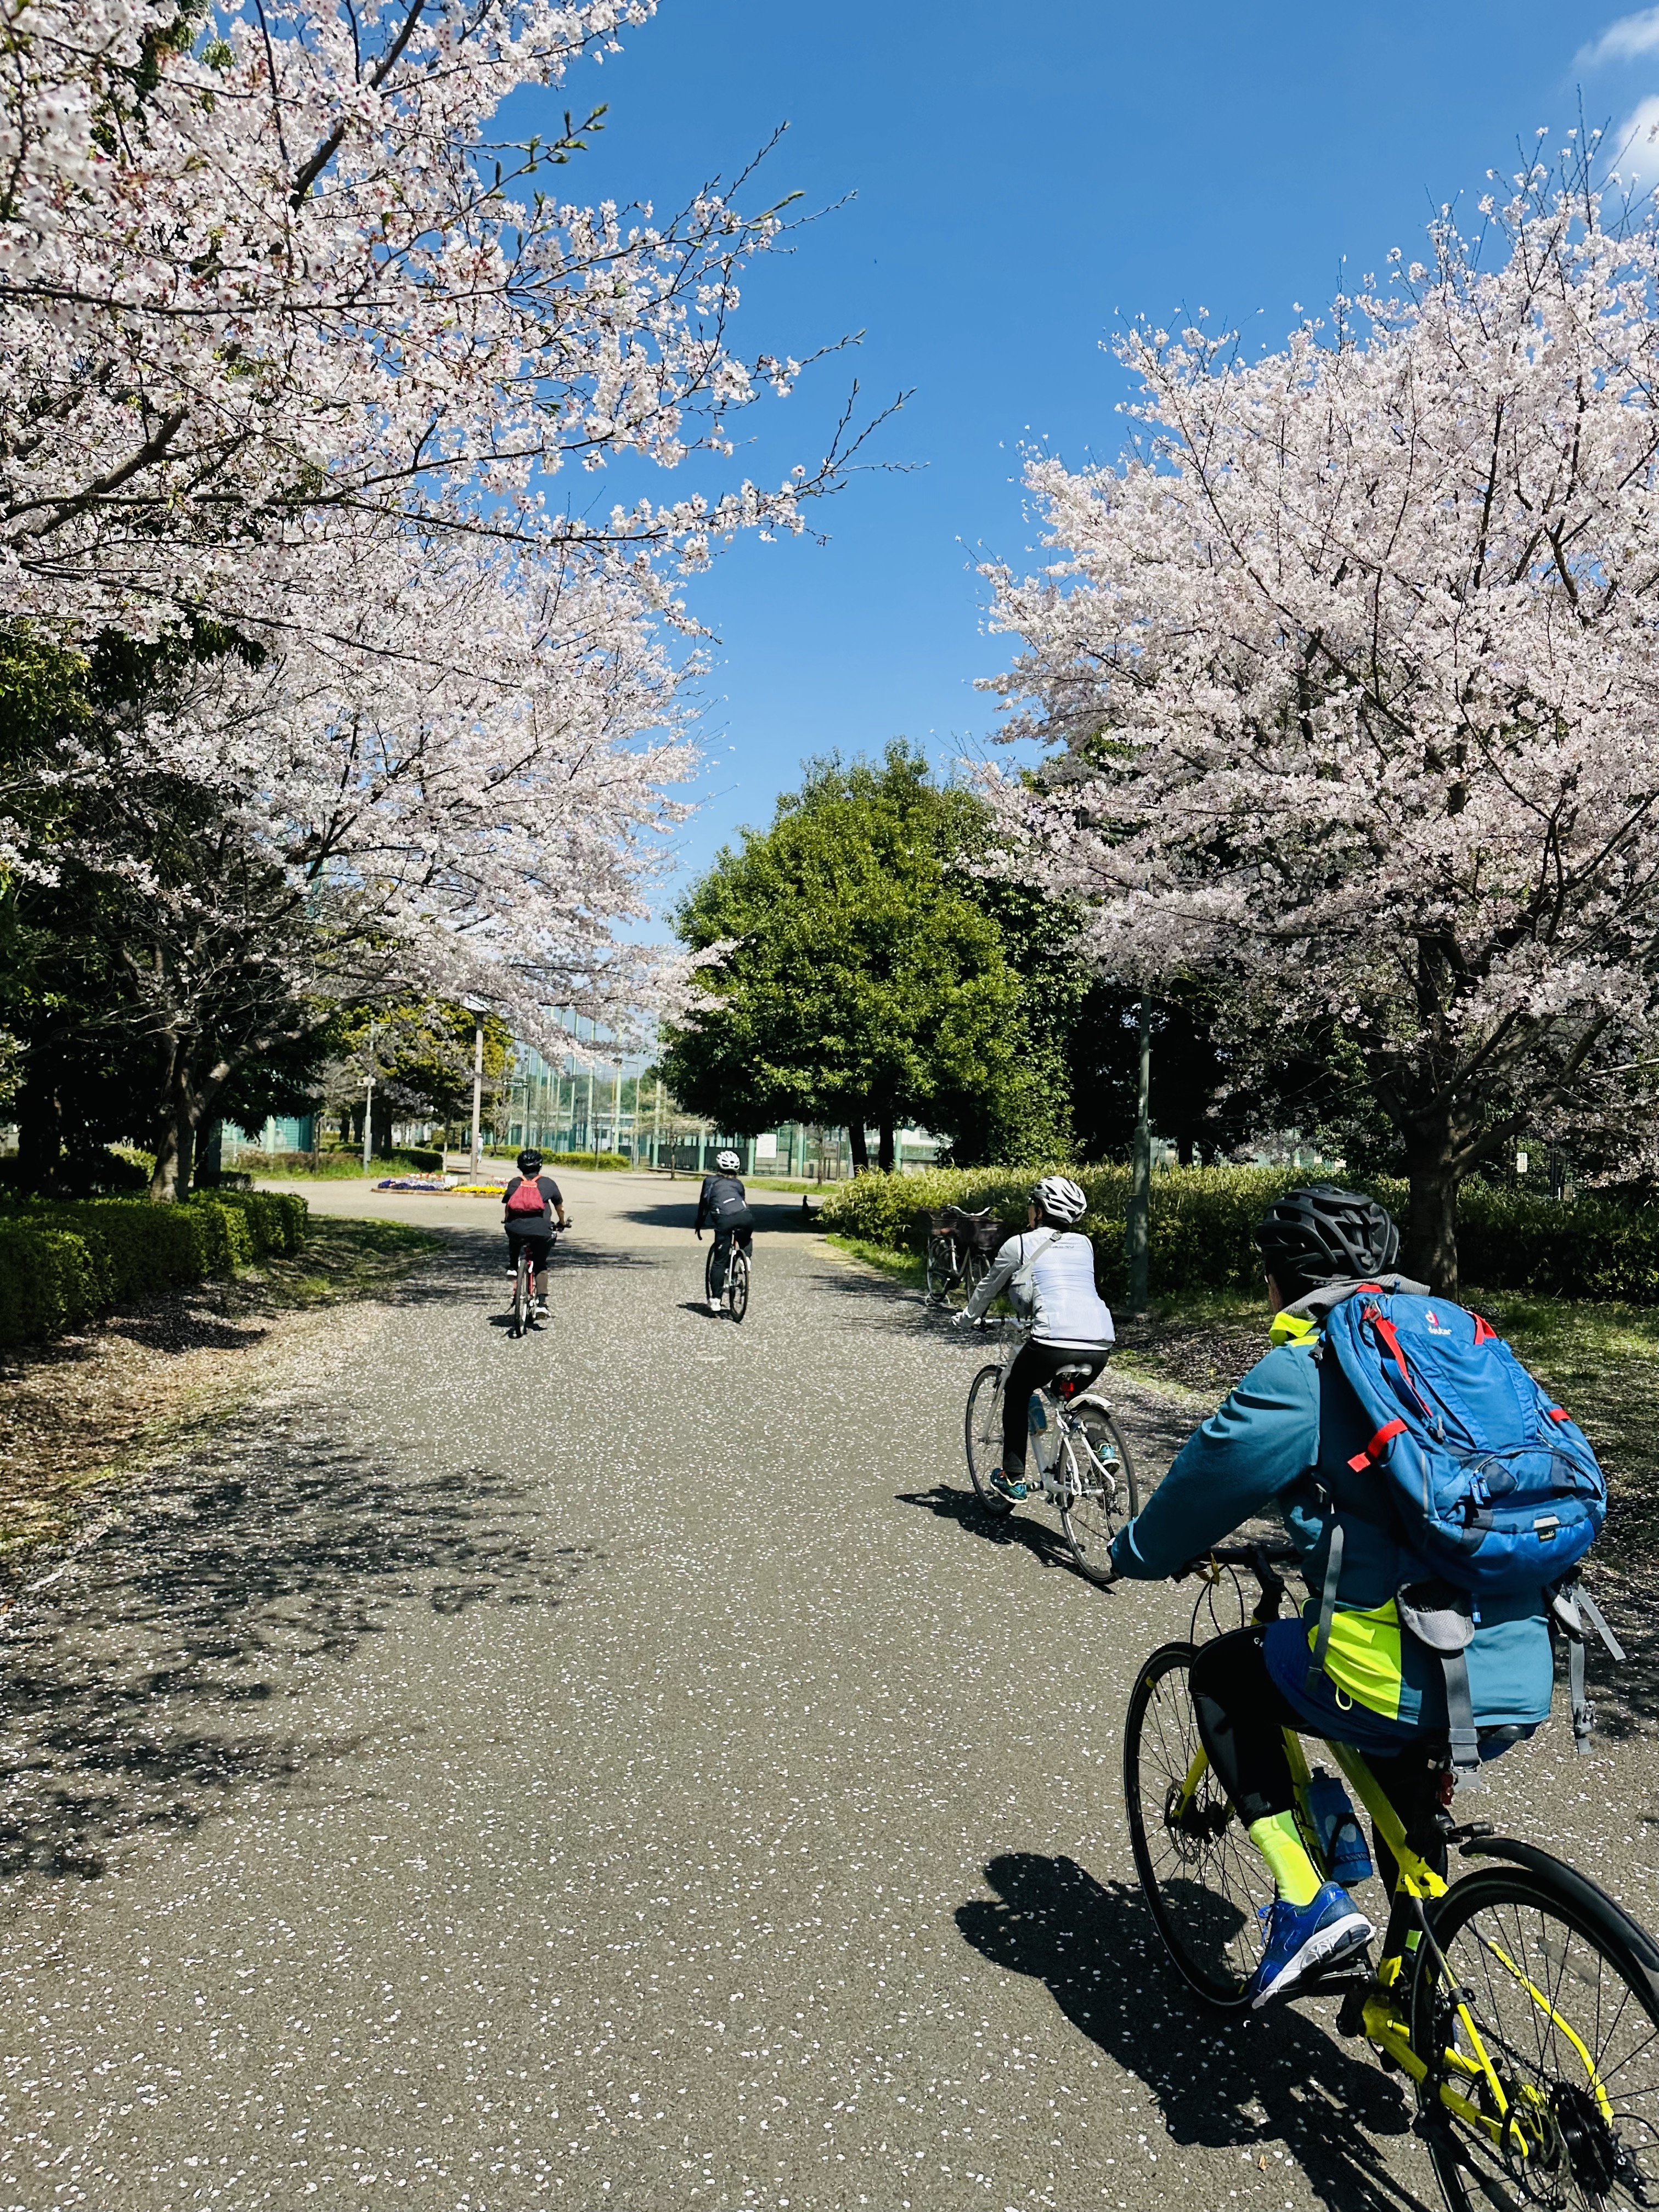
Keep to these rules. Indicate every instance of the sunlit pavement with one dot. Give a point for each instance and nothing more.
(620, 1768)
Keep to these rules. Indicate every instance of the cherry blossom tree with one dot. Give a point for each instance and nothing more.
(267, 278)
(1350, 673)
(296, 355)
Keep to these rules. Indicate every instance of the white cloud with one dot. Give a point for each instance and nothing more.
(1632, 150)
(1631, 37)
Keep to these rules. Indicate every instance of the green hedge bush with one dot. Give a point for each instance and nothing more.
(47, 1281)
(61, 1263)
(1201, 1232)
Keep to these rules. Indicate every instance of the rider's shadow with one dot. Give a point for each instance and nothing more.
(1016, 1528)
(1282, 2079)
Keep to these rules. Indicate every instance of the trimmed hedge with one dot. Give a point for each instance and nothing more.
(61, 1264)
(1202, 1234)
(47, 1282)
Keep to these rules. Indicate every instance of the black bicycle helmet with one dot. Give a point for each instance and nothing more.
(1323, 1235)
(530, 1161)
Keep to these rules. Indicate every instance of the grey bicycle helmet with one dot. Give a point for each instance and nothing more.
(727, 1163)
(1060, 1198)
(1323, 1235)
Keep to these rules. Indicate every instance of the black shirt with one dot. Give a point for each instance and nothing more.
(534, 1224)
(723, 1201)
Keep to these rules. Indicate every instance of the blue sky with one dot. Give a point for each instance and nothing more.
(1026, 180)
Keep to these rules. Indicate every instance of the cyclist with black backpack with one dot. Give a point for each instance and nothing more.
(531, 1202)
(1441, 1500)
(724, 1204)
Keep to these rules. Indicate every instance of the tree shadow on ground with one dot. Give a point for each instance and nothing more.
(1279, 2079)
(148, 1687)
(770, 1217)
(1014, 1531)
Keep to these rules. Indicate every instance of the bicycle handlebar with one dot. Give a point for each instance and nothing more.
(1253, 1556)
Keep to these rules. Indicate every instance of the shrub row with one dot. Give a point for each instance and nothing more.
(61, 1264)
(338, 1166)
(1201, 1231)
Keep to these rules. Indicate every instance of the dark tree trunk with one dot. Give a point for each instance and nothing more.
(1185, 1150)
(1431, 1252)
(40, 1126)
(175, 1148)
(381, 1111)
(859, 1150)
(885, 1153)
(187, 1107)
(354, 1132)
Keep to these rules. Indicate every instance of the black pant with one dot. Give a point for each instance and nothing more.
(538, 1247)
(723, 1251)
(1034, 1365)
(1242, 1717)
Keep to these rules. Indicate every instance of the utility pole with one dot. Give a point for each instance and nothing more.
(1140, 1169)
(368, 1101)
(656, 1136)
(477, 1096)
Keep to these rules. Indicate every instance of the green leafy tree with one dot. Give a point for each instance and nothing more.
(855, 975)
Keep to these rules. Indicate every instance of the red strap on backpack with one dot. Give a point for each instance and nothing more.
(1484, 1331)
(1378, 1445)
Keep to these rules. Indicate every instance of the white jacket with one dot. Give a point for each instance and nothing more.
(1049, 1277)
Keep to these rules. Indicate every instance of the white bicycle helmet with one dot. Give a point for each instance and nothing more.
(727, 1163)
(1060, 1198)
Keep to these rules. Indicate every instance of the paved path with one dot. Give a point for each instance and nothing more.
(621, 1769)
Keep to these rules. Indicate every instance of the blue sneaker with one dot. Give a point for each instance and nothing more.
(1300, 1938)
(1004, 1487)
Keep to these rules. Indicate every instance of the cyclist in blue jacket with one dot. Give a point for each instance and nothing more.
(1281, 1443)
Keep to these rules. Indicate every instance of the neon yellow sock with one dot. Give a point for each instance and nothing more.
(1279, 1842)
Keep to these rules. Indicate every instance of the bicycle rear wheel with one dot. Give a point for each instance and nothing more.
(1569, 2019)
(521, 1282)
(942, 1270)
(1203, 1881)
(1102, 1485)
(983, 1427)
(737, 1283)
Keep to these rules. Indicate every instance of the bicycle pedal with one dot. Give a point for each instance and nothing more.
(1350, 2019)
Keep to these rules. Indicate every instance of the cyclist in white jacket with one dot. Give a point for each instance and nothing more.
(1049, 1273)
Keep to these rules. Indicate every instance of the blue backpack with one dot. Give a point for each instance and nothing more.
(1494, 1489)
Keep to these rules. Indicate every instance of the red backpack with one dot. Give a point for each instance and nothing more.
(527, 1198)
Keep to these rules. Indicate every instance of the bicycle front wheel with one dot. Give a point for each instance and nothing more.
(1542, 2038)
(1204, 1882)
(984, 1437)
(1101, 1485)
(737, 1283)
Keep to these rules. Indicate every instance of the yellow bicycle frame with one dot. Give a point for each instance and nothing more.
(1386, 2025)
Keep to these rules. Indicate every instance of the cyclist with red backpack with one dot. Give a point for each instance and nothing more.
(1442, 1501)
(531, 1202)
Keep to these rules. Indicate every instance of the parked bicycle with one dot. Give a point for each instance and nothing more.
(1078, 1458)
(960, 1247)
(1521, 2000)
(737, 1267)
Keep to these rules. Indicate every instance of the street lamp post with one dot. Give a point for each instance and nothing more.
(369, 1101)
(1140, 1171)
(477, 1160)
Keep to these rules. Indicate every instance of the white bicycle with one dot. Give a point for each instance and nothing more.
(1077, 1460)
